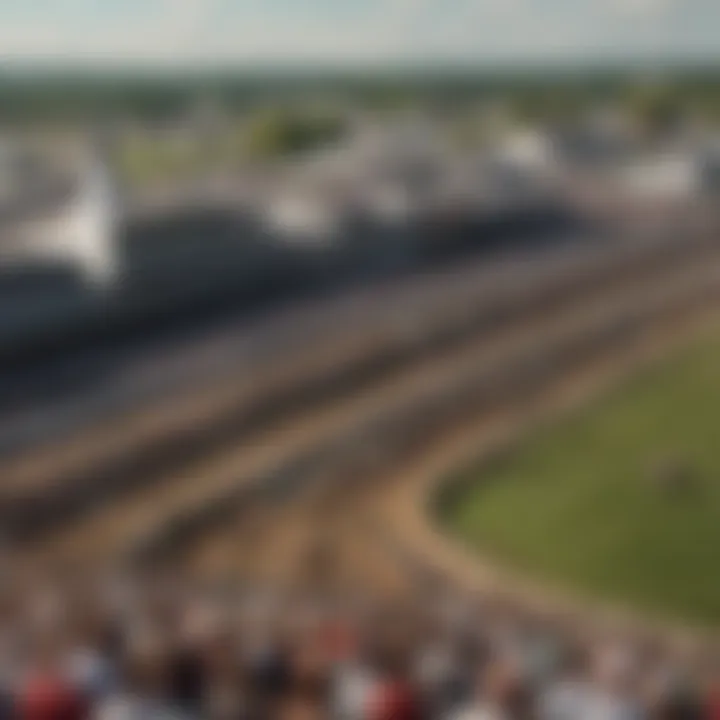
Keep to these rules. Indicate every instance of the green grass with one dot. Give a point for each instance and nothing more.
(576, 504)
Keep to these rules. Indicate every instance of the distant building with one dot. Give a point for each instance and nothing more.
(663, 177)
(302, 216)
(710, 168)
(59, 215)
(529, 150)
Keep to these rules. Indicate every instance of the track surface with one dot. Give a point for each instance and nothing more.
(327, 439)
(250, 453)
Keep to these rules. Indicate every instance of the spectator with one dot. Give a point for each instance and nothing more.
(499, 695)
(46, 693)
(153, 650)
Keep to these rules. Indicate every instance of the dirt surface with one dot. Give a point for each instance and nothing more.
(312, 350)
(357, 515)
(115, 527)
(381, 534)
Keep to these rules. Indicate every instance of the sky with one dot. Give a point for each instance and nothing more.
(351, 32)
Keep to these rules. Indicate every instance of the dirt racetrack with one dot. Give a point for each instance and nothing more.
(329, 485)
(381, 533)
(338, 439)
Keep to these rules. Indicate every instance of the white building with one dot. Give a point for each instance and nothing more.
(299, 215)
(528, 150)
(67, 216)
(665, 177)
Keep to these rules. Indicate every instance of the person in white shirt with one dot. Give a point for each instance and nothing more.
(498, 696)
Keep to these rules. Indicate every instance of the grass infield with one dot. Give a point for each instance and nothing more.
(620, 501)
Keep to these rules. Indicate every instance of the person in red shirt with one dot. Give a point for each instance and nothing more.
(50, 697)
(712, 707)
(396, 697)
(46, 693)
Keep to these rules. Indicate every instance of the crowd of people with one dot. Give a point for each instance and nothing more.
(157, 647)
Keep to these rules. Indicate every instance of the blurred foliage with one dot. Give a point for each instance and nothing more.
(173, 126)
(470, 134)
(152, 98)
(276, 133)
(179, 153)
(145, 161)
(656, 109)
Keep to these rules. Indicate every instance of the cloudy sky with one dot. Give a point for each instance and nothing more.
(338, 32)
